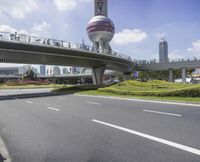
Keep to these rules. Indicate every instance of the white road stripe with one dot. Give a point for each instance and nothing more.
(93, 103)
(4, 151)
(140, 100)
(51, 108)
(153, 138)
(29, 102)
(164, 113)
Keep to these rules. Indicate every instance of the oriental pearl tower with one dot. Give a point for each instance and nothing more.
(100, 28)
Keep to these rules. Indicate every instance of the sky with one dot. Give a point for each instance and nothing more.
(139, 24)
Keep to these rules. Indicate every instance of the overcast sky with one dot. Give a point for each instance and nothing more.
(139, 23)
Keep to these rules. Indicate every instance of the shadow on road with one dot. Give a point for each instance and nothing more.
(2, 158)
(57, 92)
(31, 95)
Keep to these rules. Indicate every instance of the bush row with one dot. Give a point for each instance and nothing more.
(184, 92)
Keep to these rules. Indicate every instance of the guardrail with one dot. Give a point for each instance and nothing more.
(55, 43)
(154, 61)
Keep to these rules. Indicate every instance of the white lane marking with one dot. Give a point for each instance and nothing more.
(93, 103)
(4, 151)
(29, 102)
(140, 100)
(153, 138)
(51, 108)
(164, 113)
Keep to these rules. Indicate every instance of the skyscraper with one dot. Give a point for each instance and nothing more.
(163, 51)
(101, 7)
(100, 28)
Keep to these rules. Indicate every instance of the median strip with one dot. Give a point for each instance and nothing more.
(164, 113)
(153, 138)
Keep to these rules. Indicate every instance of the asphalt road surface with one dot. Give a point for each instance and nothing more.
(92, 129)
(4, 92)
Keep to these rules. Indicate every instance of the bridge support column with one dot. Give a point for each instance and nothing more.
(97, 75)
(127, 76)
(183, 72)
(171, 77)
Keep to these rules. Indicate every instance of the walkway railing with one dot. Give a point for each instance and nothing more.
(55, 43)
(154, 61)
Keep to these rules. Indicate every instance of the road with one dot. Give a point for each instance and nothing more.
(83, 128)
(4, 92)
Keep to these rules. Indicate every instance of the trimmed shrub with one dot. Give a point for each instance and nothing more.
(153, 88)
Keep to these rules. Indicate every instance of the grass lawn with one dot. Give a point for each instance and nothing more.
(180, 99)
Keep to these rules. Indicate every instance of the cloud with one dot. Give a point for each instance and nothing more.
(195, 47)
(9, 29)
(161, 35)
(17, 9)
(41, 27)
(67, 5)
(176, 54)
(63, 5)
(128, 36)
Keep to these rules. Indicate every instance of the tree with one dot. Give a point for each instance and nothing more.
(29, 75)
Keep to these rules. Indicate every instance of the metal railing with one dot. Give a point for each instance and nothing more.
(155, 61)
(55, 43)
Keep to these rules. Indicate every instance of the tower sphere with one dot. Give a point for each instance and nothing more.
(100, 28)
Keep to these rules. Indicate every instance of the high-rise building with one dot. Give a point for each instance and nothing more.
(101, 7)
(65, 71)
(53, 70)
(163, 51)
(100, 28)
(42, 70)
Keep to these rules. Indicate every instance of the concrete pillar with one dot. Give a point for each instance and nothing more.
(96, 47)
(183, 72)
(101, 46)
(82, 80)
(97, 75)
(171, 76)
(127, 76)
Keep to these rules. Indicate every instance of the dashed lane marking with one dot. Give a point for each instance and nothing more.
(164, 113)
(54, 109)
(153, 138)
(93, 103)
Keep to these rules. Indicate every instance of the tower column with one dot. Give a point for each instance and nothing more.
(97, 75)
(96, 47)
(101, 46)
(183, 72)
(171, 77)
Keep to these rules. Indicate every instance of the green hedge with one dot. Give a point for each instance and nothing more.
(182, 92)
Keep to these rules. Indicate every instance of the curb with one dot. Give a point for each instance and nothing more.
(143, 100)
